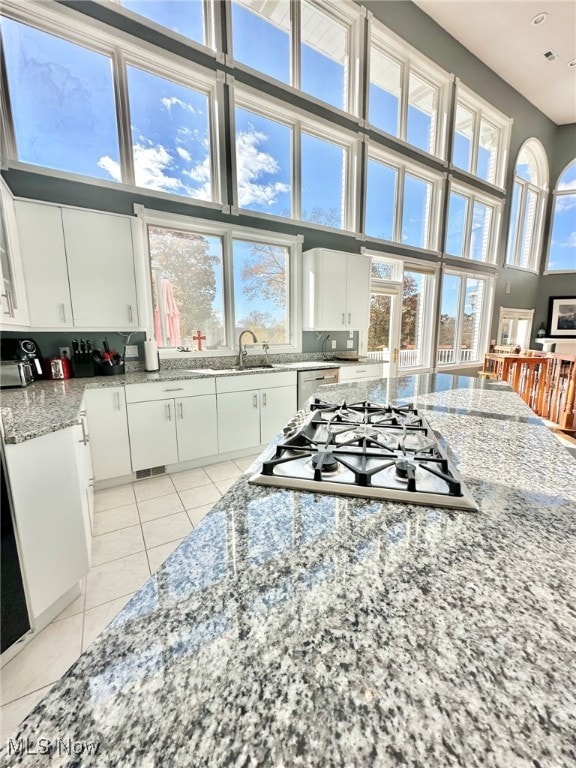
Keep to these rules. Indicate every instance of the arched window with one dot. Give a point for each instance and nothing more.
(528, 203)
(562, 250)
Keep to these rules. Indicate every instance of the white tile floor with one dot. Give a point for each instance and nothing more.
(136, 527)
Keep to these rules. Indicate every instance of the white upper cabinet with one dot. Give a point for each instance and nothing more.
(101, 269)
(43, 253)
(13, 295)
(78, 267)
(336, 290)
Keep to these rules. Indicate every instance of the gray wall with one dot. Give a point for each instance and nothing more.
(418, 29)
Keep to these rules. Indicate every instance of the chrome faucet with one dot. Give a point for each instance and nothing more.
(242, 351)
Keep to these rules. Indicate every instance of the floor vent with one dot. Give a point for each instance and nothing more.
(142, 473)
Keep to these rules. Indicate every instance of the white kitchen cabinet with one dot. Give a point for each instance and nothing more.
(196, 427)
(108, 428)
(359, 372)
(85, 475)
(152, 434)
(253, 408)
(171, 422)
(336, 290)
(100, 258)
(48, 501)
(13, 294)
(78, 267)
(43, 254)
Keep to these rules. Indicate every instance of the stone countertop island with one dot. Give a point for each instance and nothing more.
(299, 629)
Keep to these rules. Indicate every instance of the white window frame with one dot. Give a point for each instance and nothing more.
(208, 13)
(482, 110)
(558, 193)
(507, 313)
(403, 165)
(299, 121)
(410, 61)
(473, 195)
(227, 233)
(122, 49)
(485, 320)
(344, 12)
(540, 190)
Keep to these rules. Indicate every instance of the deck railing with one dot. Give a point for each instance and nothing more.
(410, 358)
(546, 383)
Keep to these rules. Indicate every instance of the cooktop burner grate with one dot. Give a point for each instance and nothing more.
(365, 449)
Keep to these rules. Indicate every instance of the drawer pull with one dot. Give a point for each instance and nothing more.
(174, 389)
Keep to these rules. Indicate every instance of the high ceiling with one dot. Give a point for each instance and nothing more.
(500, 33)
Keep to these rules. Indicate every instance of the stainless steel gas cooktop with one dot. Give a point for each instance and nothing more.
(365, 449)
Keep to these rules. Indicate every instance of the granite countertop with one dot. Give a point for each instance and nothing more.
(298, 629)
(47, 406)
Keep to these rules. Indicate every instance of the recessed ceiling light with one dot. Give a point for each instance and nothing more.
(540, 18)
(571, 64)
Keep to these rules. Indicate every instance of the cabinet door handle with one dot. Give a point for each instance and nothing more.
(168, 412)
(63, 313)
(264, 399)
(10, 303)
(181, 409)
(85, 438)
(255, 401)
(349, 317)
(117, 400)
(174, 389)
(343, 321)
(130, 317)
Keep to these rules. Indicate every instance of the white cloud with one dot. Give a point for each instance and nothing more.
(252, 164)
(570, 241)
(171, 101)
(201, 173)
(111, 166)
(565, 202)
(184, 154)
(150, 164)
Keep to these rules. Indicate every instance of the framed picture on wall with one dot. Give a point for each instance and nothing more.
(562, 316)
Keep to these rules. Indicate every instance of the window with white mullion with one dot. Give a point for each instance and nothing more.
(123, 117)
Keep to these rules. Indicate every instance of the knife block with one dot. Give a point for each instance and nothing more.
(82, 370)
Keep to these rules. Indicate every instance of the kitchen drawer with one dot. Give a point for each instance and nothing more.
(255, 381)
(355, 372)
(164, 390)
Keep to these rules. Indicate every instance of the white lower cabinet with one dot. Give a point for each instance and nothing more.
(359, 372)
(249, 416)
(171, 423)
(108, 427)
(48, 504)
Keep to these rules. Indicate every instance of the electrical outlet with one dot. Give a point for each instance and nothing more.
(131, 350)
(65, 352)
(349, 343)
(333, 342)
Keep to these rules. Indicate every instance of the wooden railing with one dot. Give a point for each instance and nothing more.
(546, 383)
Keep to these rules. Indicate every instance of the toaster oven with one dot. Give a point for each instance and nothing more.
(15, 373)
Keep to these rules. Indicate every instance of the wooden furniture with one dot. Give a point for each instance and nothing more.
(547, 383)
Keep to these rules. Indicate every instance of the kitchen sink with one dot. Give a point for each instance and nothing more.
(235, 369)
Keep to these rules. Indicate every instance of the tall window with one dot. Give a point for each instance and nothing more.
(527, 208)
(218, 281)
(481, 138)
(170, 136)
(465, 303)
(310, 45)
(472, 225)
(187, 19)
(401, 202)
(187, 287)
(405, 93)
(290, 166)
(62, 99)
(562, 249)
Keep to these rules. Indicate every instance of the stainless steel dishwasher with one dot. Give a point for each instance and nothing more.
(310, 379)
